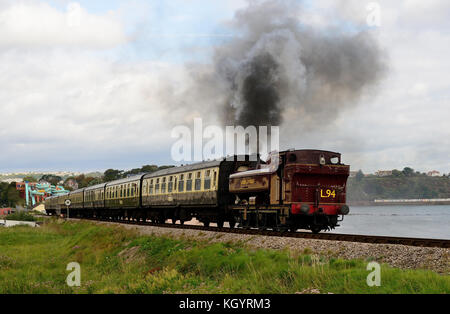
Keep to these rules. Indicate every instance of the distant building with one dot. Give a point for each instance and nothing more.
(5, 211)
(383, 173)
(434, 173)
(71, 183)
(20, 186)
(9, 181)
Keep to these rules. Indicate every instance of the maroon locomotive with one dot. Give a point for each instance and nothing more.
(303, 189)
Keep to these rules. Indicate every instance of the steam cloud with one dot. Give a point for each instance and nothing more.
(278, 68)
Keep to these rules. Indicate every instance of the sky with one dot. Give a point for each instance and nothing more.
(82, 82)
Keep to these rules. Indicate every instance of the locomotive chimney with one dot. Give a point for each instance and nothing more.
(257, 150)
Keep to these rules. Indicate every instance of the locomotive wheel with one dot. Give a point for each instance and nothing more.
(174, 221)
(316, 229)
(232, 224)
(206, 223)
(220, 224)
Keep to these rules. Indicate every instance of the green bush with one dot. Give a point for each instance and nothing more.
(20, 216)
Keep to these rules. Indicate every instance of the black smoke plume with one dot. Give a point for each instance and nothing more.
(277, 68)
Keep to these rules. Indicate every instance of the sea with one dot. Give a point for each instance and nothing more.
(402, 221)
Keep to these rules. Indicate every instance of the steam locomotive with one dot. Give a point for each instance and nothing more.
(296, 189)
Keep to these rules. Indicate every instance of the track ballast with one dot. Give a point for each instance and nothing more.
(419, 242)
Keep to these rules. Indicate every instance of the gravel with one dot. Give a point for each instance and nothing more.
(399, 256)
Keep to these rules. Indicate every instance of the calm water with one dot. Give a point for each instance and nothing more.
(401, 221)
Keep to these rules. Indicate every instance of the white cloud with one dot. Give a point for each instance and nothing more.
(78, 107)
(37, 24)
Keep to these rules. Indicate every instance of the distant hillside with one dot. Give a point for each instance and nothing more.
(417, 186)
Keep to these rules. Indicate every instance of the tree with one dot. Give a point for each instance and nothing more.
(359, 175)
(397, 173)
(52, 179)
(29, 179)
(95, 181)
(149, 168)
(408, 172)
(13, 195)
(112, 174)
(9, 196)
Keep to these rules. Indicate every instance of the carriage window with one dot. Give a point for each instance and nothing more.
(157, 186)
(207, 182)
(170, 185)
(198, 181)
(133, 189)
(215, 178)
(163, 186)
(189, 183)
(181, 183)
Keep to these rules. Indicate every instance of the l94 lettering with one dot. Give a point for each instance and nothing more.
(327, 193)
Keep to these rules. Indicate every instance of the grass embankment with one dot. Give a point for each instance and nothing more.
(115, 260)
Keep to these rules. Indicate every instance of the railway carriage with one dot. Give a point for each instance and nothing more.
(76, 207)
(94, 199)
(50, 205)
(199, 190)
(122, 198)
(60, 206)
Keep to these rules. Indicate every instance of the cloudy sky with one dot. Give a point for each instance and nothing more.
(83, 84)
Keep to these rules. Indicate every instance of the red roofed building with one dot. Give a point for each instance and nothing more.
(5, 211)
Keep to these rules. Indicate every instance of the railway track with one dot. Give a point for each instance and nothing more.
(419, 242)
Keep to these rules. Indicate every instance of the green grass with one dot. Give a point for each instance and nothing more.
(115, 260)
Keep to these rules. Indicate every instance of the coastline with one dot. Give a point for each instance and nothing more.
(397, 203)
